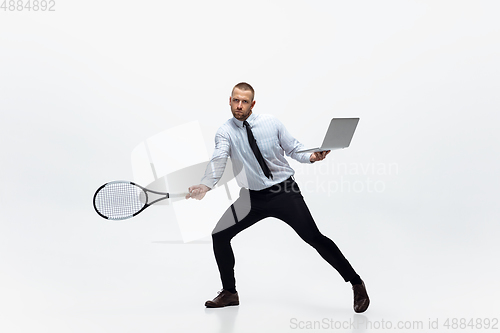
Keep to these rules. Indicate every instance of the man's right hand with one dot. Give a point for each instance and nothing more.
(197, 191)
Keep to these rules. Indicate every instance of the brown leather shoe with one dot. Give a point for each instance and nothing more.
(224, 298)
(361, 299)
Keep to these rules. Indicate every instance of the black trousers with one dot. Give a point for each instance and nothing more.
(285, 202)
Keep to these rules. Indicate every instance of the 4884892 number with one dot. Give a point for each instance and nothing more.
(473, 323)
(28, 5)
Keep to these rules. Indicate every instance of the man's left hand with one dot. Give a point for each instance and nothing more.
(318, 155)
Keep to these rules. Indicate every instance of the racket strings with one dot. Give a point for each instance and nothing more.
(120, 200)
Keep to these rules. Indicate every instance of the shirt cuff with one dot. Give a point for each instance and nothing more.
(207, 183)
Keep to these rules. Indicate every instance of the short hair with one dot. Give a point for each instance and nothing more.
(244, 86)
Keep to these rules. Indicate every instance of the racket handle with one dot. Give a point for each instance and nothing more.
(178, 195)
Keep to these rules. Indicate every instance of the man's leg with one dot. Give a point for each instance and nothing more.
(241, 215)
(290, 207)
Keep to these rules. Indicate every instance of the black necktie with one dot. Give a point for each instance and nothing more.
(256, 151)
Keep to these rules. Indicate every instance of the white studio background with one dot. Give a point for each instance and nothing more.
(412, 202)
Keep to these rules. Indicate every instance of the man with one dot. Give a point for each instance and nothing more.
(256, 145)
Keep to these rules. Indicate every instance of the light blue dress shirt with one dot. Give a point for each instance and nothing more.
(274, 142)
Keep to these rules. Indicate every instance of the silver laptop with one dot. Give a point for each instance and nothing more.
(338, 136)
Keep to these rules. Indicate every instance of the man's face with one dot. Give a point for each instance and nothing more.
(241, 102)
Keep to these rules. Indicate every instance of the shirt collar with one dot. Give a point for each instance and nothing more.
(239, 123)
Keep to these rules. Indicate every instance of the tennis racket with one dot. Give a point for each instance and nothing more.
(120, 200)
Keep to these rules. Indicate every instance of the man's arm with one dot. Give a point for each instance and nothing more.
(215, 168)
(291, 145)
